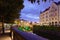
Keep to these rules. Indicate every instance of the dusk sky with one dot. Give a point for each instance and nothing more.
(31, 12)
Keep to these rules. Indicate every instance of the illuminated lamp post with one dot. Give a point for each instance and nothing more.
(2, 17)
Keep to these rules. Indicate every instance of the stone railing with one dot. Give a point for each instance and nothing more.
(22, 35)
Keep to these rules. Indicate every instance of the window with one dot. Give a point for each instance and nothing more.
(52, 23)
(54, 8)
(43, 14)
(49, 23)
(55, 18)
(46, 16)
(43, 17)
(46, 19)
(43, 20)
(52, 18)
(55, 14)
(59, 22)
(55, 23)
(46, 13)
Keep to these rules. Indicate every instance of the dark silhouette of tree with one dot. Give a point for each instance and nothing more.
(9, 10)
(38, 1)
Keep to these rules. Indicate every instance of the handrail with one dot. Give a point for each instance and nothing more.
(22, 35)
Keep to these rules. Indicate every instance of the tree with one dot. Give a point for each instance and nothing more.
(9, 10)
(38, 1)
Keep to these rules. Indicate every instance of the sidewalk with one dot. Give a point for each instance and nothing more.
(5, 37)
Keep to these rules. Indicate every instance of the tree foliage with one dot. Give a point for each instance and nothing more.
(9, 9)
(38, 1)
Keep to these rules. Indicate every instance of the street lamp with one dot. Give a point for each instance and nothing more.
(2, 18)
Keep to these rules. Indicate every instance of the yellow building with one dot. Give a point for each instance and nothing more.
(51, 16)
(18, 22)
(26, 23)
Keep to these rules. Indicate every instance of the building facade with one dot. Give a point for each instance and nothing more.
(51, 16)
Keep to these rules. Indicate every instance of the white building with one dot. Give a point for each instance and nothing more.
(51, 16)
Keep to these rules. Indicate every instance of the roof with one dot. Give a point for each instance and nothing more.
(58, 3)
(45, 10)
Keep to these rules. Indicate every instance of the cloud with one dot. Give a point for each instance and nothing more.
(31, 11)
(31, 16)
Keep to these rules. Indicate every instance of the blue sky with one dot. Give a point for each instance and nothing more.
(31, 12)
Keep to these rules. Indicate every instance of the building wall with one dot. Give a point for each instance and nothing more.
(59, 13)
(51, 16)
(44, 18)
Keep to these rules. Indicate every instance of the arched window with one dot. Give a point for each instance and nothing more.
(52, 23)
(55, 23)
